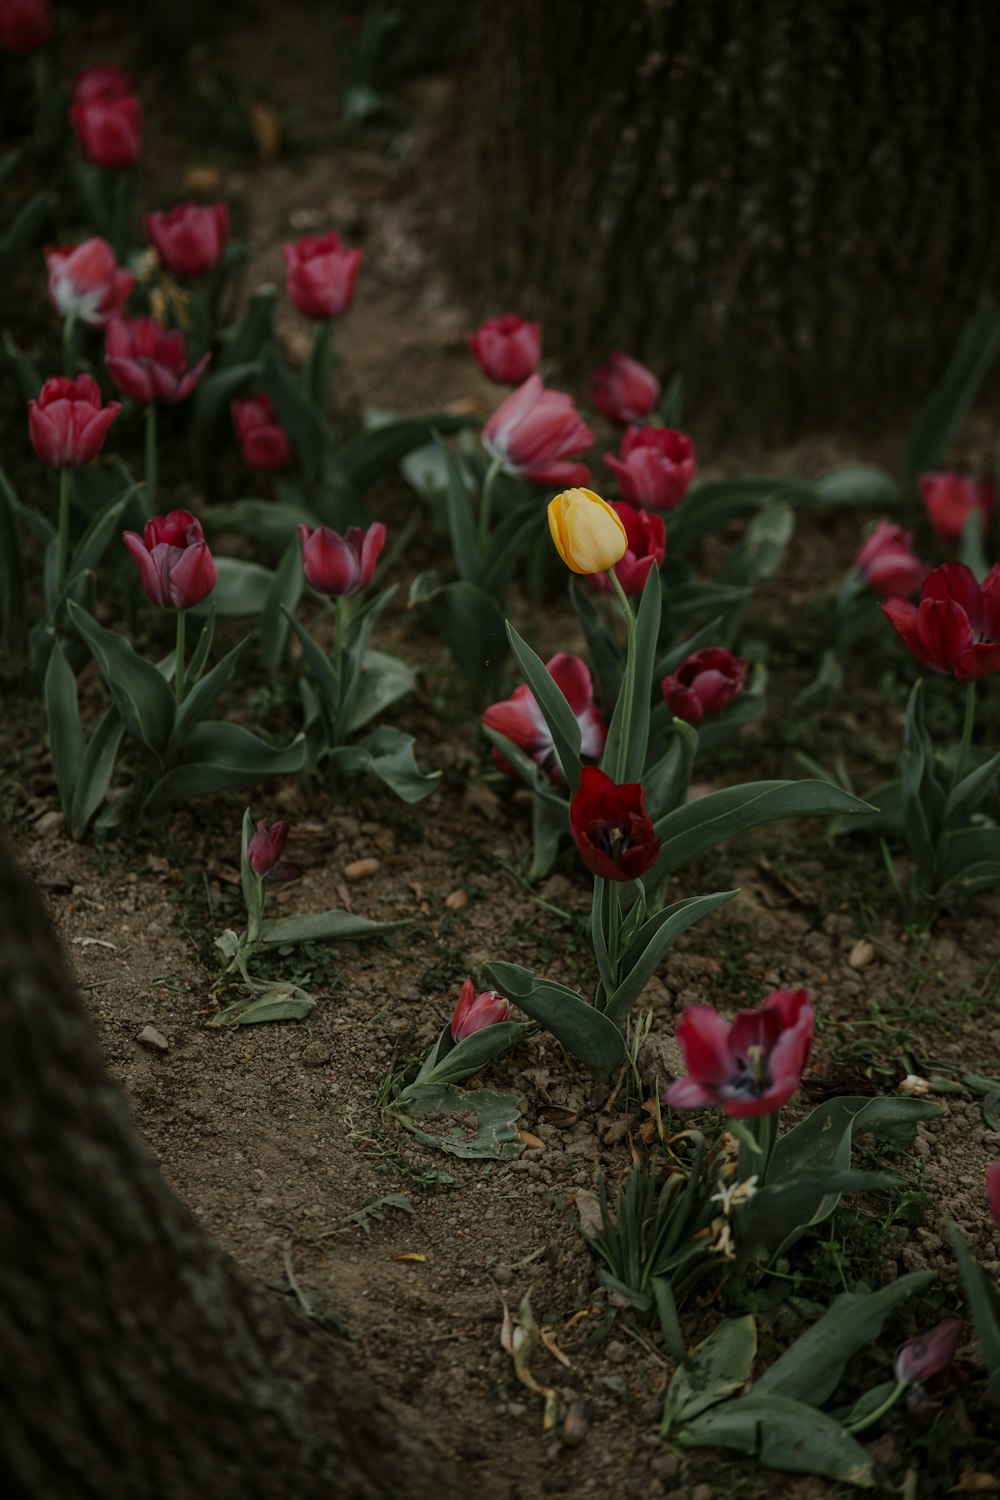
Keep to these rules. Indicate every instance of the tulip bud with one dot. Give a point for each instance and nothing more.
(474, 1012)
(993, 1190)
(589, 536)
(264, 854)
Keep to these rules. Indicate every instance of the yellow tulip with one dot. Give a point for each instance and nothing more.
(588, 535)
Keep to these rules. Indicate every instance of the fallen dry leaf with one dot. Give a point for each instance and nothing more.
(456, 900)
(533, 1142)
(266, 129)
(411, 1255)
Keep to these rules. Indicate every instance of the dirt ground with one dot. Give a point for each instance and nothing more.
(274, 1135)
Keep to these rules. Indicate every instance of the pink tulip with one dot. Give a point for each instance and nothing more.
(956, 626)
(924, 1364)
(262, 438)
(320, 275)
(264, 854)
(521, 720)
(473, 1012)
(107, 124)
(624, 390)
(704, 685)
(951, 498)
(747, 1068)
(189, 239)
(340, 565)
(533, 431)
(175, 566)
(647, 541)
(25, 25)
(655, 468)
(887, 562)
(69, 422)
(86, 281)
(147, 363)
(993, 1190)
(507, 349)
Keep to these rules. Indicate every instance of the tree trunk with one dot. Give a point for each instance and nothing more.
(135, 1359)
(793, 205)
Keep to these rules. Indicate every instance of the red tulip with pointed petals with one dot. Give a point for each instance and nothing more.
(264, 854)
(950, 499)
(647, 542)
(624, 390)
(149, 363)
(474, 1012)
(704, 685)
(264, 441)
(507, 349)
(176, 569)
(888, 563)
(655, 467)
(750, 1066)
(956, 626)
(522, 721)
(69, 421)
(534, 430)
(108, 127)
(190, 239)
(340, 565)
(611, 828)
(320, 273)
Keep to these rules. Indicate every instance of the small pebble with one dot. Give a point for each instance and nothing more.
(361, 869)
(150, 1037)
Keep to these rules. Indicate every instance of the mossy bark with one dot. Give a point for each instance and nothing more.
(794, 205)
(136, 1359)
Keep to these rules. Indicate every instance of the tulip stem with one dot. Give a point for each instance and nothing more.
(628, 684)
(62, 545)
(179, 658)
(958, 770)
(151, 455)
(69, 342)
(880, 1411)
(485, 509)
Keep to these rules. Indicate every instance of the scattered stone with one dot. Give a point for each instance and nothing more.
(456, 900)
(49, 822)
(861, 954)
(616, 1351)
(575, 1425)
(150, 1037)
(361, 869)
(315, 1054)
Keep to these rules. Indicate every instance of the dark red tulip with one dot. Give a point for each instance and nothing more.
(993, 1190)
(264, 441)
(624, 390)
(69, 421)
(148, 363)
(647, 540)
(107, 122)
(320, 274)
(190, 239)
(611, 827)
(25, 25)
(264, 854)
(507, 349)
(339, 565)
(956, 626)
(655, 467)
(750, 1067)
(522, 721)
(175, 566)
(704, 685)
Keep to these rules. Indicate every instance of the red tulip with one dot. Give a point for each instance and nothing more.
(750, 1067)
(264, 854)
(655, 468)
(473, 1012)
(148, 363)
(924, 1364)
(647, 541)
(262, 438)
(92, 85)
(69, 422)
(887, 562)
(611, 827)
(507, 349)
(624, 390)
(108, 125)
(320, 275)
(339, 565)
(189, 239)
(534, 430)
(951, 498)
(25, 25)
(86, 280)
(175, 566)
(956, 626)
(704, 685)
(993, 1190)
(521, 720)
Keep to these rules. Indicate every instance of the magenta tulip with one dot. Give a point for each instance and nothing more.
(264, 441)
(86, 281)
(534, 430)
(624, 390)
(956, 626)
(320, 274)
(148, 363)
(704, 685)
(888, 563)
(993, 1190)
(175, 566)
(106, 121)
(474, 1012)
(749, 1067)
(655, 467)
(25, 25)
(507, 349)
(94, 84)
(190, 239)
(69, 421)
(522, 721)
(264, 854)
(340, 565)
(951, 498)
(925, 1365)
(647, 540)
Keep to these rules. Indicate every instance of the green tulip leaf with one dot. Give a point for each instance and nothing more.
(560, 718)
(630, 721)
(241, 588)
(138, 690)
(205, 694)
(854, 484)
(96, 768)
(585, 1032)
(783, 1434)
(219, 756)
(495, 1114)
(330, 926)
(984, 1305)
(66, 738)
(716, 1368)
(645, 953)
(362, 459)
(388, 754)
(383, 681)
(450, 1064)
(281, 1001)
(940, 419)
(282, 597)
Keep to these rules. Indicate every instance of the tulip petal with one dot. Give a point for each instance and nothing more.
(704, 1038)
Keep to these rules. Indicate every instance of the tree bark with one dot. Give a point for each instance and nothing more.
(793, 205)
(135, 1359)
